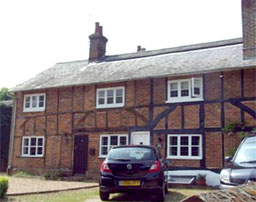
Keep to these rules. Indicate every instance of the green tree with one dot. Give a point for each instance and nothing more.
(5, 94)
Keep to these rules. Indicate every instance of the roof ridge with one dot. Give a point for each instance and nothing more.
(176, 49)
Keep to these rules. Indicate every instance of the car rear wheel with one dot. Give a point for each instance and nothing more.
(160, 196)
(104, 196)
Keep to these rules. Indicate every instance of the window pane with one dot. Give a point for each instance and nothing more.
(101, 93)
(110, 97)
(110, 100)
(173, 151)
(184, 93)
(27, 99)
(184, 151)
(197, 91)
(119, 100)
(184, 88)
(34, 101)
(27, 102)
(27, 105)
(33, 142)
(40, 142)
(197, 83)
(184, 85)
(104, 141)
(101, 101)
(123, 140)
(184, 140)
(174, 93)
(104, 150)
(32, 151)
(195, 151)
(173, 140)
(41, 98)
(25, 150)
(195, 140)
(174, 86)
(110, 93)
(41, 102)
(119, 92)
(25, 141)
(113, 140)
(40, 150)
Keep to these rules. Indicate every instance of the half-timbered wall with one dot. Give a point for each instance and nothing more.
(228, 97)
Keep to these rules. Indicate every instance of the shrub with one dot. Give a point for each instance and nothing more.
(3, 186)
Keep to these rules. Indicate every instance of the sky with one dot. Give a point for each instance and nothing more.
(36, 34)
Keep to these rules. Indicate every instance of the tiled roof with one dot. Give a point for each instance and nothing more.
(193, 59)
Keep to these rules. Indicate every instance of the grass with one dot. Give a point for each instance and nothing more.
(67, 196)
(26, 175)
(92, 195)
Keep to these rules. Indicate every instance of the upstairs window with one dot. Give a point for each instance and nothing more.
(33, 146)
(185, 90)
(110, 97)
(34, 102)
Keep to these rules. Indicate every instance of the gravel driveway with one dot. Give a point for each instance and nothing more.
(20, 185)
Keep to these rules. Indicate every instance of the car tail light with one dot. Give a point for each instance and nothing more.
(105, 168)
(155, 167)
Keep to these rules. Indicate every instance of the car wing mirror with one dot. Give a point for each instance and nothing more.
(228, 159)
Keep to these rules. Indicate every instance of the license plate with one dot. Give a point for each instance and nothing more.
(129, 183)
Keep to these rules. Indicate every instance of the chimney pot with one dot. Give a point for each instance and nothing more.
(97, 27)
(100, 30)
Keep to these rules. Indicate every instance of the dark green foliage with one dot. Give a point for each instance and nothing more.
(3, 186)
(5, 94)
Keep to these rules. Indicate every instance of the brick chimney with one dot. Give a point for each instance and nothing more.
(249, 28)
(97, 44)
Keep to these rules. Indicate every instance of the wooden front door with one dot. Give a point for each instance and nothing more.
(80, 154)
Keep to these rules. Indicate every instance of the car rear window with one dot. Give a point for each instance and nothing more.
(131, 154)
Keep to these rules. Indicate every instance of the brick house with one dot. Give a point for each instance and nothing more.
(178, 99)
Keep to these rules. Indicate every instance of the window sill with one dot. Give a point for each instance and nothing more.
(110, 106)
(184, 158)
(102, 157)
(22, 156)
(184, 100)
(34, 110)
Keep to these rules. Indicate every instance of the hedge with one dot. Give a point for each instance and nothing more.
(3, 186)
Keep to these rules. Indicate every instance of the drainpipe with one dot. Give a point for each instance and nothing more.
(10, 155)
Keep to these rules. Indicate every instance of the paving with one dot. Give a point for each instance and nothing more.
(22, 186)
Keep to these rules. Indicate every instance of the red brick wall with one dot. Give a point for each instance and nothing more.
(71, 109)
(213, 149)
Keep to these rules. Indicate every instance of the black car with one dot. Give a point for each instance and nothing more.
(133, 168)
(242, 167)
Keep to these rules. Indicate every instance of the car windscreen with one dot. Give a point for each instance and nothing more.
(246, 155)
(131, 154)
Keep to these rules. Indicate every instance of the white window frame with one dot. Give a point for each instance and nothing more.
(178, 156)
(114, 105)
(109, 138)
(29, 146)
(191, 97)
(33, 109)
